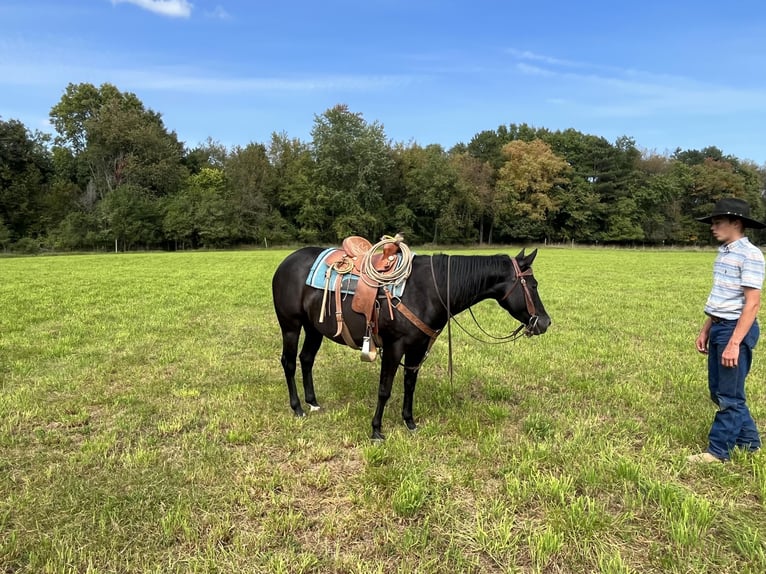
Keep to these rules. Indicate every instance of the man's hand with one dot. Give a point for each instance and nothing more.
(703, 338)
(702, 345)
(730, 356)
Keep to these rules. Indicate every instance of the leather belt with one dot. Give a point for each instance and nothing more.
(715, 319)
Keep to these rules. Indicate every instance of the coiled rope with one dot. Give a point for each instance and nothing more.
(398, 273)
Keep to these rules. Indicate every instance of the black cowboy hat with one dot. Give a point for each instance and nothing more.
(734, 208)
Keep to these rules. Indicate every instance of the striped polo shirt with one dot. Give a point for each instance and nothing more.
(738, 264)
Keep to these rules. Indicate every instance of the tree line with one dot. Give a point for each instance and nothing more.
(114, 176)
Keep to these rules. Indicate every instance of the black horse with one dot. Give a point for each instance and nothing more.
(438, 287)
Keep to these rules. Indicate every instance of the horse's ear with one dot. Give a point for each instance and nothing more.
(530, 258)
(520, 256)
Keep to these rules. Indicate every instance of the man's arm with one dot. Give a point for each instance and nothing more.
(730, 355)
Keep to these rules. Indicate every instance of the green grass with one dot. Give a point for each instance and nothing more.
(145, 427)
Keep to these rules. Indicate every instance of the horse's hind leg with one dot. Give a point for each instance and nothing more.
(311, 344)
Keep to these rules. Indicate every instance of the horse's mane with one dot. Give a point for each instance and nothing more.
(469, 275)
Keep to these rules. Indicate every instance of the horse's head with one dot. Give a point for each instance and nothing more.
(521, 298)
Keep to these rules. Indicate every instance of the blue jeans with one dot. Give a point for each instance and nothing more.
(733, 425)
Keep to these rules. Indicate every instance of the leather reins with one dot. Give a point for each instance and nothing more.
(520, 279)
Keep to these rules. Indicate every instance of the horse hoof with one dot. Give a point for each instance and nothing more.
(314, 408)
(411, 426)
(378, 436)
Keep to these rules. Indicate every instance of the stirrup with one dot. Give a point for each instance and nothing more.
(369, 352)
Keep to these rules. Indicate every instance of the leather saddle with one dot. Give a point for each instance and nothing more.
(356, 256)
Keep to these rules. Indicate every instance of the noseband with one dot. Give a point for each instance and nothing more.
(521, 280)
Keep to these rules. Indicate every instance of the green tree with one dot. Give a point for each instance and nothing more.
(80, 229)
(696, 157)
(133, 217)
(115, 142)
(604, 182)
(577, 219)
(63, 195)
(26, 170)
(203, 213)
(486, 146)
(353, 162)
(5, 235)
(476, 188)
(293, 166)
(70, 206)
(661, 200)
(430, 181)
(623, 199)
(714, 179)
(527, 189)
(251, 177)
(180, 221)
(208, 154)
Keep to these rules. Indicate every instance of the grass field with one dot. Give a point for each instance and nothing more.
(145, 427)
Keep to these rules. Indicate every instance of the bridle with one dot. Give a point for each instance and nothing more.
(521, 280)
(523, 329)
(526, 330)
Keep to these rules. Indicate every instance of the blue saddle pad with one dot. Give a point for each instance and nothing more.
(348, 283)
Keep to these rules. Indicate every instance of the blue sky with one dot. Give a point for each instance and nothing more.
(669, 74)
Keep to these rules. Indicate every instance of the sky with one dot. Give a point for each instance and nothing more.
(667, 73)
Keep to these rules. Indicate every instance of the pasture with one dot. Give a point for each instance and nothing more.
(145, 427)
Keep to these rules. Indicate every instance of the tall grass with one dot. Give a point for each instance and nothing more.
(145, 427)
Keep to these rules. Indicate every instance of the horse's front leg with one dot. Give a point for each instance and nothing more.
(410, 378)
(311, 344)
(412, 364)
(389, 363)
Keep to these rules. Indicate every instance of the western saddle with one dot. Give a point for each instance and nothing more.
(357, 256)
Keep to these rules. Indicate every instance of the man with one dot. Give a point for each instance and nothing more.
(731, 330)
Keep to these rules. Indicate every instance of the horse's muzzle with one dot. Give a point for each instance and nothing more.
(537, 325)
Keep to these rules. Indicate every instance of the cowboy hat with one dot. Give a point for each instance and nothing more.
(733, 208)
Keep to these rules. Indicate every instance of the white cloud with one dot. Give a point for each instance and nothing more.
(534, 70)
(605, 91)
(218, 13)
(51, 75)
(171, 8)
(527, 55)
(169, 80)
